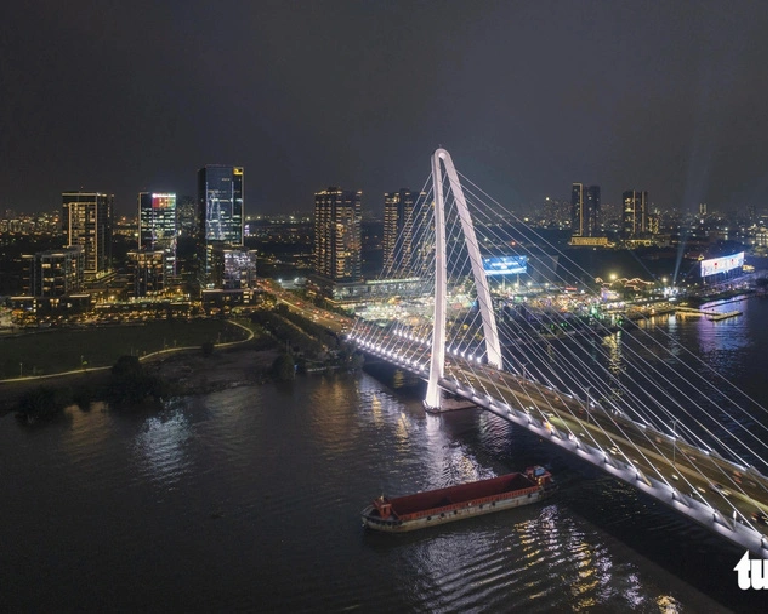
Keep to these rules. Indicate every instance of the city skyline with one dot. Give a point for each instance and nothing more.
(560, 329)
(508, 107)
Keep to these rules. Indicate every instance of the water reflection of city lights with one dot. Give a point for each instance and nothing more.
(540, 540)
(161, 446)
(612, 348)
(402, 429)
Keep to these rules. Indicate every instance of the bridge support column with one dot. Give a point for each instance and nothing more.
(434, 397)
(490, 333)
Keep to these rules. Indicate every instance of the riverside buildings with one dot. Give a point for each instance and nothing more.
(157, 226)
(234, 267)
(585, 210)
(398, 232)
(146, 272)
(55, 273)
(187, 218)
(338, 244)
(87, 223)
(636, 214)
(220, 207)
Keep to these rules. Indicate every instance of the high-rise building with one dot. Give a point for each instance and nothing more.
(187, 217)
(146, 272)
(398, 232)
(635, 214)
(585, 210)
(157, 226)
(220, 206)
(55, 273)
(87, 222)
(338, 244)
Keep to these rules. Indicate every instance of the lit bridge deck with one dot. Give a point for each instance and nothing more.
(616, 444)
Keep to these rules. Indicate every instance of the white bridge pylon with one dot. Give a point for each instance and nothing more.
(433, 398)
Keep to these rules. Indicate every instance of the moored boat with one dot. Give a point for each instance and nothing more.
(435, 507)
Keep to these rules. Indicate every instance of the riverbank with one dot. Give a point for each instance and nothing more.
(187, 372)
(55, 351)
(194, 373)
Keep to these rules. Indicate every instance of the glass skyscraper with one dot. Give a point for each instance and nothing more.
(220, 206)
(157, 226)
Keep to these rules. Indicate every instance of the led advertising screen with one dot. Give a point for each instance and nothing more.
(722, 265)
(505, 265)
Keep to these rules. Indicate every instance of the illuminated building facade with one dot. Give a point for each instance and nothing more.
(234, 267)
(157, 226)
(585, 210)
(635, 214)
(87, 223)
(398, 232)
(55, 273)
(220, 207)
(146, 272)
(338, 243)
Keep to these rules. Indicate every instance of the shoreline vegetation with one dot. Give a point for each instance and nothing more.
(56, 351)
(278, 348)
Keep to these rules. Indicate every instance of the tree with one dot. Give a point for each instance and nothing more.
(130, 383)
(127, 366)
(44, 403)
(283, 368)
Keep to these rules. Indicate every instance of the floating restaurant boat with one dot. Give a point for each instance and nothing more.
(435, 507)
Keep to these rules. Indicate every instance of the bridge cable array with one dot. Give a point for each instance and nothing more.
(650, 404)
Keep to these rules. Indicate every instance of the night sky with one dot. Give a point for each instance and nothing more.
(670, 97)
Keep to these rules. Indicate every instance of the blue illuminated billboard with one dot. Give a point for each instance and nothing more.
(505, 265)
(722, 265)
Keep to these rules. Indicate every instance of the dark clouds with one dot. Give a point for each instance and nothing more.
(528, 97)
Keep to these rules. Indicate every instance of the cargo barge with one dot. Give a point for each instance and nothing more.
(436, 507)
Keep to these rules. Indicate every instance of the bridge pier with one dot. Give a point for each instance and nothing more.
(433, 397)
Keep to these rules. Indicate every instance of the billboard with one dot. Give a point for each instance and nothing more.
(722, 265)
(505, 265)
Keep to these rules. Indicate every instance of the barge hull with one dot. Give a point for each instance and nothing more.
(453, 503)
(446, 517)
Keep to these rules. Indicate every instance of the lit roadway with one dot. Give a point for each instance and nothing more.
(665, 455)
(327, 319)
(566, 414)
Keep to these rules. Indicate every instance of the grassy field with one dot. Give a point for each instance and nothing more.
(55, 351)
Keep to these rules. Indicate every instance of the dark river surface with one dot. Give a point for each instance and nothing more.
(249, 499)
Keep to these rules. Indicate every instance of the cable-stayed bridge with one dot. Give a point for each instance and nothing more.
(643, 407)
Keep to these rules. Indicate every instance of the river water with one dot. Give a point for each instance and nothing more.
(248, 500)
